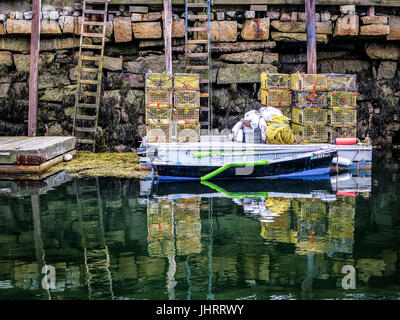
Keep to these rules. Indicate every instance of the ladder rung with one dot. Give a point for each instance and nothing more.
(85, 141)
(81, 129)
(197, 41)
(204, 95)
(87, 105)
(194, 29)
(86, 69)
(204, 81)
(204, 109)
(97, 1)
(82, 117)
(204, 123)
(91, 46)
(89, 81)
(198, 55)
(89, 58)
(94, 11)
(90, 94)
(94, 23)
(94, 35)
(197, 67)
(198, 16)
(197, 5)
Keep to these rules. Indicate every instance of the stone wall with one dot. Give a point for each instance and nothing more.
(245, 43)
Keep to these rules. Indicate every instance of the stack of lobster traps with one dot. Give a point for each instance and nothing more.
(186, 107)
(158, 100)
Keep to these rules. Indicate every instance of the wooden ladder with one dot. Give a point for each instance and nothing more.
(200, 62)
(90, 66)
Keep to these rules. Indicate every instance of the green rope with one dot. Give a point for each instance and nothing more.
(235, 195)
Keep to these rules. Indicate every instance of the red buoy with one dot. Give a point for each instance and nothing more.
(345, 141)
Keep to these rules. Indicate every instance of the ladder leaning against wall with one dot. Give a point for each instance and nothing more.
(90, 65)
(198, 54)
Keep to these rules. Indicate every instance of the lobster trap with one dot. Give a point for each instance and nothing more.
(309, 82)
(182, 115)
(158, 98)
(343, 99)
(159, 81)
(286, 111)
(275, 81)
(187, 99)
(310, 116)
(309, 99)
(312, 133)
(158, 133)
(188, 131)
(343, 117)
(342, 82)
(186, 81)
(276, 98)
(158, 115)
(343, 132)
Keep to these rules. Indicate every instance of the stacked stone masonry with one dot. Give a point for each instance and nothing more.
(246, 43)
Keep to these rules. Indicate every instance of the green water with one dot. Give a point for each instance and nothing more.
(113, 239)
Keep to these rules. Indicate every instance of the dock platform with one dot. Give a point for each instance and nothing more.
(22, 156)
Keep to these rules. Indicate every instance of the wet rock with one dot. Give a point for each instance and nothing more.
(4, 88)
(270, 58)
(58, 94)
(19, 26)
(292, 36)
(113, 64)
(2, 29)
(221, 31)
(250, 14)
(381, 51)
(285, 16)
(374, 20)
(143, 65)
(67, 24)
(325, 16)
(244, 57)
(394, 23)
(58, 44)
(178, 28)
(242, 46)
(374, 30)
(343, 66)
(3, 17)
(6, 59)
(322, 27)
(220, 16)
(387, 70)
(348, 9)
(243, 73)
(48, 80)
(147, 30)
(54, 130)
(122, 30)
(273, 15)
(49, 27)
(28, 15)
(152, 16)
(256, 29)
(347, 26)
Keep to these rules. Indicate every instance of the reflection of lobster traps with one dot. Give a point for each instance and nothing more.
(343, 99)
(309, 116)
(343, 132)
(186, 81)
(158, 133)
(186, 99)
(309, 208)
(188, 131)
(272, 233)
(182, 115)
(317, 245)
(275, 81)
(307, 99)
(309, 82)
(343, 117)
(342, 82)
(312, 133)
(158, 98)
(341, 221)
(158, 115)
(159, 81)
(276, 98)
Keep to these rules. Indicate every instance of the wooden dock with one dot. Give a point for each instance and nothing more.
(23, 156)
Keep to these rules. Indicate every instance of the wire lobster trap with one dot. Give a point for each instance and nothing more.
(276, 98)
(158, 133)
(309, 99)
(158, 115)
(182, 115)
(286, 111)
(310, 116)
(186, 99)
(275, 81)
(188, 131)
(342, 82)
(159, 81)
(158, 98)
(343, 99)
(343, 117)
(186, 81)
(312, 133)
(309, 82)
(343, 132)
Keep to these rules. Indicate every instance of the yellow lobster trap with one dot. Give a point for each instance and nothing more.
(159, 81)
(158, 115)
(310, 116)
(186, 81)
(158, 133)
(276, 98)
(187, 99)
(342, 82)
(343, 132)
(312, 133)
(309, 82)
(275, 81)
(310, 99)
(343, 117)
(343, 99)
(183, 115)
(188, 131)
(158, 98)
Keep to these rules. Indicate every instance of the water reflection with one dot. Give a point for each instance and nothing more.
(118, 239)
